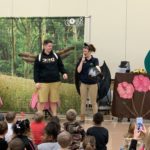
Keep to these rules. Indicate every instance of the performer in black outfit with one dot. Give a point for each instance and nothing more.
(88, 78)
(47, 68)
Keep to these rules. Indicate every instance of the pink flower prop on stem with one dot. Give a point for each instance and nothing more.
(126, 91)
(141, 84)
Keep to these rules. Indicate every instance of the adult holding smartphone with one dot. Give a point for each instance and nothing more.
(88, 86)
(47, 68)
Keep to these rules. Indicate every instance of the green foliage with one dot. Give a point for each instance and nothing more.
(16, 94)
(26, 35)
(69, 98)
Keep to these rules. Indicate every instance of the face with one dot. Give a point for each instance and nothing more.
(48, 47)
(86, 52)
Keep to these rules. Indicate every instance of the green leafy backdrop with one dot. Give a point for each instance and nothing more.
(26, 35)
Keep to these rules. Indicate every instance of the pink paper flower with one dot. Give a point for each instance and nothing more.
(125, 90)
(141, 83)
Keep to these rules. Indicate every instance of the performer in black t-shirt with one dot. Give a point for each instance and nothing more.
(87, 76)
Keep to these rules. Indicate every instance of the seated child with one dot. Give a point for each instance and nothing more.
(21, 130)
(3, 131)
(100, 133)
(10, 118)
(64, 139)
(74, 128)
(37, 127)
(50, 137)
(16, 144)
(57, 121)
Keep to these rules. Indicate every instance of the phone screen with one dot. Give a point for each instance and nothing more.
(139, 123)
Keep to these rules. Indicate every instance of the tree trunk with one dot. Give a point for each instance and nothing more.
(13, 56)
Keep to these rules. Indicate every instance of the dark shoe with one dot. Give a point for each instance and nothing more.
(47, 113)
(120, 119)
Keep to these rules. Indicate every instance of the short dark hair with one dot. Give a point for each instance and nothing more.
(46, 42)
(16, 144)
(56, 120)
(10, 116)
(52, 129)
(98, 118)
(21, 126)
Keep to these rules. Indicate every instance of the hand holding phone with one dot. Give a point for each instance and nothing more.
(139, 123)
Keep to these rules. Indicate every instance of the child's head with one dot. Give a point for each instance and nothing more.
(10, 117)
(38, 116)
(16, 144)
(2, 118)
(51, 132)
(89, 143)
(3, 127)
(98, 118)
(71, 115)
(64, 139)
(131, 128)
(57, 121)
(21, 127)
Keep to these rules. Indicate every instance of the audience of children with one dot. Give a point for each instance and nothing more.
(11, 119)
(100, 133)
(3, 131)
(37, 127)
(50, 137)
(64, 140)
(74, 128)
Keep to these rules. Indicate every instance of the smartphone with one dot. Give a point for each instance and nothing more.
(139, 123)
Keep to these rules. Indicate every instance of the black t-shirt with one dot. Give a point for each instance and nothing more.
(87, 64)
(101, 136)
(48, 68)
(3, 144)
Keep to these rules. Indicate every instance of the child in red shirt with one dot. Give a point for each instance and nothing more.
(37, 127)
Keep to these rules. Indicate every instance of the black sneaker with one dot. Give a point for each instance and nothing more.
(47, 114)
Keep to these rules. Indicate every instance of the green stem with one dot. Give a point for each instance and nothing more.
(143, 100)
(134, 107)
(146, 114)
(130, 111)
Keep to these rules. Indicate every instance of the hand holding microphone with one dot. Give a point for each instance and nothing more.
(83, 58)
